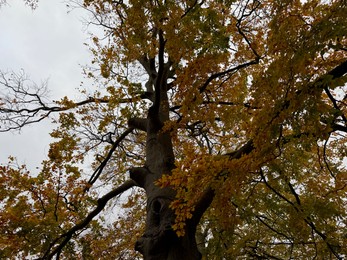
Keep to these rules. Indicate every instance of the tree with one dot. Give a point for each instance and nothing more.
(31, 3)
(229, 116)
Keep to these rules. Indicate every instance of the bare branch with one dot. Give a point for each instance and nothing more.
(226, 72)
(244, 15)
(103, 164)
(22, 102)
(101, 203)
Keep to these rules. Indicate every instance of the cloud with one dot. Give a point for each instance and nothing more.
(46, 43)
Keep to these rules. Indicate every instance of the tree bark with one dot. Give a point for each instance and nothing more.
(159, 240)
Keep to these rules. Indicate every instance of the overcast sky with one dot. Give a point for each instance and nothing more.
(47, 44)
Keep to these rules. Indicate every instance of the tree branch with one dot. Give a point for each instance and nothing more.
(22, 102)
(223, 73)
(333, 74)
(160, 78)
(207, 197)
(298, 207)
(138, 174)
(138, 123)
(241, 32)
(101, 167)
(149, 66)
(101, 203)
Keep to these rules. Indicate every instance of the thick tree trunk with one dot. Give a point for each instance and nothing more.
(160, 242)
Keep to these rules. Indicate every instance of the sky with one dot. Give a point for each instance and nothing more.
(47, 43)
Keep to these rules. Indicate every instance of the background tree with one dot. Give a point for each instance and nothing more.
(229, 117)
(31, 3)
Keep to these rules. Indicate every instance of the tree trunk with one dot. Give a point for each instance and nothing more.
(159, 240)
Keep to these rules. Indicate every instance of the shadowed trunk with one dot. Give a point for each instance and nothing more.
(159, 240)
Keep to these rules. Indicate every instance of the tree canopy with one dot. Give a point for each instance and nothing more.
(216, 130)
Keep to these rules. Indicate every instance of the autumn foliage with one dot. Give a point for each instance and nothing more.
(230, 117)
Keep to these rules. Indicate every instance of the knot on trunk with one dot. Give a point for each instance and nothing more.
(159, 234)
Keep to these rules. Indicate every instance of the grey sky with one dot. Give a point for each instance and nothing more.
(46, 43)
